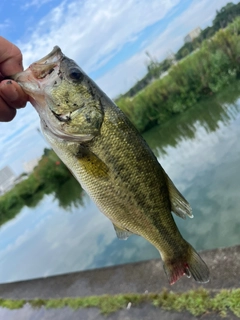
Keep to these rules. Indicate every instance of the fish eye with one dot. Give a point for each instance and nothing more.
(75, 74)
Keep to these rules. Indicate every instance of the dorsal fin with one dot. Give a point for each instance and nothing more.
(121, 233)
(179, 204)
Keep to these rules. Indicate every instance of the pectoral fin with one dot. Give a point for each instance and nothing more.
(121, 233)
(179, 204)
(92, 164)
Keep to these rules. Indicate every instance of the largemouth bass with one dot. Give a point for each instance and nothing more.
(110, 160)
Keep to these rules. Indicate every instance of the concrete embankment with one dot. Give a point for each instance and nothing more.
(224, 265)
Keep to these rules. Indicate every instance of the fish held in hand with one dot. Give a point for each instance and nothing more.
(110, 160)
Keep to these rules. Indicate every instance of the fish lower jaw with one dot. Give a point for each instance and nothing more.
(59, 134)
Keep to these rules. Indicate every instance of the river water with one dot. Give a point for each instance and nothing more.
(200, 151)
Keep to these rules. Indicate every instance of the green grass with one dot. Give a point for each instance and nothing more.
(197, 302)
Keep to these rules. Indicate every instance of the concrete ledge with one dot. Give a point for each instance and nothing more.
(224, 265)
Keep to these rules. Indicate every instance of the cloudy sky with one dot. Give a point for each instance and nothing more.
(107, 38)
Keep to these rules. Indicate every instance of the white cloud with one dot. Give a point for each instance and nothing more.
(35, 3)
(124, 75)
(93, 31)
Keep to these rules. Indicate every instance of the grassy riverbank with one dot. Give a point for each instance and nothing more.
(205, 72)
(197, 302)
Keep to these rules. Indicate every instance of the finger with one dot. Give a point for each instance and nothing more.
(12, 94)
(6, 113)
(10, 58)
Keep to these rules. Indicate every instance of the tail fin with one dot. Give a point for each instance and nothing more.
(189, 264)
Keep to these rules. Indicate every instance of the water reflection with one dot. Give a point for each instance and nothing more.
(209, 114)
(69, 194)
(201, 153)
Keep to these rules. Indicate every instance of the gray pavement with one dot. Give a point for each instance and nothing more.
(137, 277)
(146, 312)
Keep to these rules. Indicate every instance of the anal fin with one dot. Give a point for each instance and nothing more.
(122, 234)
(179, 204)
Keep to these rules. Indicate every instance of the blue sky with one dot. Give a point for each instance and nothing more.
(107, 38)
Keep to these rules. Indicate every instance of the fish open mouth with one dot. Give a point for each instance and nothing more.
(39, 72)
(67, 116)
(46, 65)
(62, 117)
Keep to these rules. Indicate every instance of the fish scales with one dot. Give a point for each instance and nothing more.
(110, 160)
(144, 211)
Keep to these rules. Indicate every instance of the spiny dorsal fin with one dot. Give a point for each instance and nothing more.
(179, 204)
(121, 233)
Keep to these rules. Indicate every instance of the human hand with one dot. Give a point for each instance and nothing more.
(12, 96)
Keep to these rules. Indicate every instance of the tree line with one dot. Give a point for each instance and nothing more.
(155, 68)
